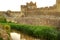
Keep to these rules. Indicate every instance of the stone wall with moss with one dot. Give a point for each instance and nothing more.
(4, 32)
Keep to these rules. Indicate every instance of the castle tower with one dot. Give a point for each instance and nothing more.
(25, 9)
(58, 5)
(31, 5)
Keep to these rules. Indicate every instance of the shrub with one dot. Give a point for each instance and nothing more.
(7, 28)
(44, 32)
(1, 38)
(58, 36)
(2, 19)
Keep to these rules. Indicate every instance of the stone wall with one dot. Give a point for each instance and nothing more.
(4, 32)
(32, 9)
(40, 20)
(30, 14)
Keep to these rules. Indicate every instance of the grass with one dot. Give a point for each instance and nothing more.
(44, 32)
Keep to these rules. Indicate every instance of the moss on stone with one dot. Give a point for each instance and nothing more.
(5, 32)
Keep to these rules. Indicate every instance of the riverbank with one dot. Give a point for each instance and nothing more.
(41, 32)
(17, 34)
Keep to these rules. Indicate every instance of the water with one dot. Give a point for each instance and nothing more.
(21, 36)
(15, 36)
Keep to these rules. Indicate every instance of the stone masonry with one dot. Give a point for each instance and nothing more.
(32, 15)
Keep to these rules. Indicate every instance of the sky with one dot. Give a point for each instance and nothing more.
(14, 5)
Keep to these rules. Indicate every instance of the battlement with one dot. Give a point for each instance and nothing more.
(31, 10)
(31, 3)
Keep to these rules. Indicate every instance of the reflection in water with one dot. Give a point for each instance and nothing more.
(15, 36)
(21, 36)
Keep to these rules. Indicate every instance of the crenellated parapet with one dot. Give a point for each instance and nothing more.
(48, 9)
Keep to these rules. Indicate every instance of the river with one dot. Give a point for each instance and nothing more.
(21, 36)
(15, 36)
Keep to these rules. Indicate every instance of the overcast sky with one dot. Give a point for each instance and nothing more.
(14, 5)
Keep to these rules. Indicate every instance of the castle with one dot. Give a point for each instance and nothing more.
(30, 14)
(31, 9)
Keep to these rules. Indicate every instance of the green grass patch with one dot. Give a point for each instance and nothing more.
(43, 32)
